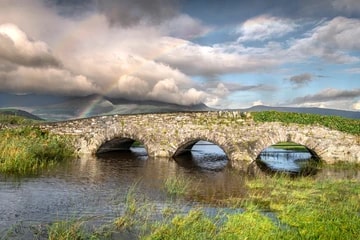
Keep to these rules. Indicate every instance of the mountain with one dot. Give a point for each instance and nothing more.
(21, 113)
(320, 111)
(62, 108)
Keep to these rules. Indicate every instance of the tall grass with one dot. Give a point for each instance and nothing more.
(67, 230)
(176, 186)
(28, 150)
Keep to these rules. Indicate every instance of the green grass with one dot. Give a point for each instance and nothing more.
(68, 230)
(8, 119)
(27, 150)
(274, 207)
(176, 186)
(351, 126)
(290, 146)
(301, 208)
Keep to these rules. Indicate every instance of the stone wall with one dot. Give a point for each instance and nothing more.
(242, 139)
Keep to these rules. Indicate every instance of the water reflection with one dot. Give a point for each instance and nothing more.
(292, 159)
(203, 156)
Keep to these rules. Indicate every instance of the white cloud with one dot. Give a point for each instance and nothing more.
(17, 48)
(96, 58)
(353, 70)
(356, 106)
(331, 41)
(46, 80)
(257, 103)
(265, 27)
(194, 59)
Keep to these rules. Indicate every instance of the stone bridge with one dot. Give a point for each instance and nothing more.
(170, 134)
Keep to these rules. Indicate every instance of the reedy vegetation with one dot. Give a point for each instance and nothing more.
(27, 150)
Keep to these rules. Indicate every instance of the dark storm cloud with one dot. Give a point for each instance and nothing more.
(132, 12)
(328, 95)
(301, 79)
(233, 11)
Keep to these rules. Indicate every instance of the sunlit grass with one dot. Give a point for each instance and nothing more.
(67, 230)
(333, 122)
(304, 208)
(27, 150)
(8, 119)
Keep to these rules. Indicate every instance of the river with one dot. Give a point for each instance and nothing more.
(96, 186)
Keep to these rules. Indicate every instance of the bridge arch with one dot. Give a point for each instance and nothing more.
(315, 146)
(185, 144)
(184, 157)
(119, 141)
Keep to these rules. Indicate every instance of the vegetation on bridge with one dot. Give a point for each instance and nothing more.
(351, 126)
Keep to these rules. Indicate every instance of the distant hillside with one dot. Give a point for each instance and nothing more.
(61, 108)
(94, 105)
(20, 113)
(321, 111)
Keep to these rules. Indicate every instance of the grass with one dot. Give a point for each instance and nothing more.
(8, 119)
(137, 212)
(275, 207)
(290, 146)
(351, 126)
(176, 186)
(301, 208)
(27, 150)
(67, 230)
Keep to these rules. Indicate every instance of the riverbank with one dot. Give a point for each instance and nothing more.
(274, 207)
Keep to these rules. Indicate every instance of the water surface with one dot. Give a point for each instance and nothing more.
(96, 187)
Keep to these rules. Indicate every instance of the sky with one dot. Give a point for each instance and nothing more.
(226, 54)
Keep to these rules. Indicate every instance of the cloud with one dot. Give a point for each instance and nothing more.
(195, 59)
(123, 67)
(127, 13)
(257, 103)
(17, 48)
(235, 86)
(347, 6)
(167, 90)
(331, 41)
(185, 27)
(265, 27)
(329, 94)
(356, 106)
(301, 79)
(353, 70)
(47, 81)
